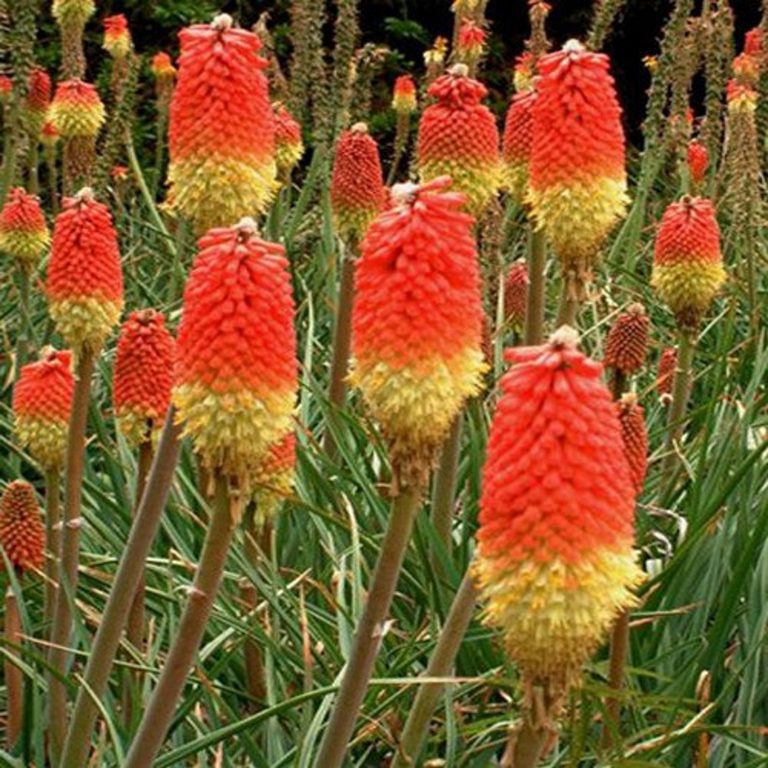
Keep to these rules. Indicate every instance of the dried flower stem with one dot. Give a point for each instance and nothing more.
(70, 552)
(440, 665)
(14, 678)
(53, 540)
(107, 640)
(369, 631)
(162, 705)
(537, 285)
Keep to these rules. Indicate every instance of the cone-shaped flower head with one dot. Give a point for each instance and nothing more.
(23, 231)
(357, 183)
(73, 12)
(22, 535)
(117, 36)
(289, 146)
(627, 343)
(665, 374)
(222, 129)
(516, 294)
(85, 278)
(36, 103)
(555, 546)
(143, 374)
(698, 161)
(77, 110)
(458, 137)
(741, 98)
(687, 262)
(577, 180)
(404, 100)
(525, 69)
(42, 401)
(753, 42)
(274, 477)
(516, 145)
(417, 322)
(162, 66)
(236, 374)
(470, 43)
(635, 436)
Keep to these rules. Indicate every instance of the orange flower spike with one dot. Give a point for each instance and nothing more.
(289, 146)
(274, 477)
(741, 98)
(665, 374)
(162, 66)
(516, 144)
(458, 137)
(753, 42)
(222, 128)
(698, 161)
(117, 36)
(235, 377)
(555, 562)
(357, 182)
(524, 71)
(627, 344)
(578, 185)
(634, 435)
(471, 41)
(85, 279)
(77, 110)
(22, 535)
(417, 322)
(143, 374)
(404, 99)
(42, 401)
(37, 101)
(23, 232)
(6, 89)
(516, 294)
(687, 261)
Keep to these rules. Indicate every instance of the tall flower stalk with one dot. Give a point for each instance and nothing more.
(416, 342)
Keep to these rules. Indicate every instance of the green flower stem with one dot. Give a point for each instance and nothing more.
(162, 705)
(368, 635)
(537, 285)
(53, 539)
(115, 615)
(568, 312)
(444, 489)
(440, 665)
(70, 553)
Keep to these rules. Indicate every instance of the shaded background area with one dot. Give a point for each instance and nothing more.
(409, 26)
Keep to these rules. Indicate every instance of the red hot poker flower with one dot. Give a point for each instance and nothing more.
(627, 343)
(635, 436)
(23, 231)
(22, 535)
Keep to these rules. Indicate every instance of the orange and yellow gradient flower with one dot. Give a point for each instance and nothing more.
(23, 232)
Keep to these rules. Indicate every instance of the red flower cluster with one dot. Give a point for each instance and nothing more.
(698, 161)
(22, 535)
(665, 374)
(77, 110)
(627, 343)
(117, 36)
(23, 231)
(635, 436)
(143, 374)
(516, 294)
(404, 95)
(517, 143)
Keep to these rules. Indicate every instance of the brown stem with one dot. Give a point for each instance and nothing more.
(619, 649)
(342, 340)
(113, 620)
(70, 552)
(254, 665)
(53, 540)
(134, 630)
(526, 748)
(162, 705)
(570, 299)
(537, 285)
(14, 679)
(368, 635)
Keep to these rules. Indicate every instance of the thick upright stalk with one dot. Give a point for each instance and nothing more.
(527, 747)
(70, 552)
(53, 540)
(134, 631)
(113, 620)
(680, 390)
(254, 663)
(444, 489)
(159, 713)
(569, 300)
(342, 338)
(34, 161)
(14, 679)
(25, 322)
(534, 311)
(440, 665)
(619, 649)
(368, 636)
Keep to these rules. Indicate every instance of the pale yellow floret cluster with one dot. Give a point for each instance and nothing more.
(515, 180)
(688, 288)
(287, 154)
(72, 119)
(133, 426)
(554, 614)
(215, 192)
(233, 431)
(25, 247)
(480, 183)
(85, 322)
(73, 11)
(45, 439)
(416, 404)
(576, 218)
(270, 491)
